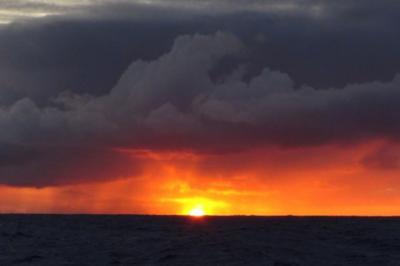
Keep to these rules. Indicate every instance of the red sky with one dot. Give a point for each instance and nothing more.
(328, 180)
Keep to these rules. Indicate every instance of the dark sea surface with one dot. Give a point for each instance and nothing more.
(172, 240)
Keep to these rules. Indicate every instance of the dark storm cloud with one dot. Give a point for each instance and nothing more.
(172, 103)
(15, 154)
(68, 165)
(76, 87)
(87, 49)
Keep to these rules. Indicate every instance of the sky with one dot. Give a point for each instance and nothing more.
(233, 107)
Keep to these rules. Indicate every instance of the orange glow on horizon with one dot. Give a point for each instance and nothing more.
(328, 181)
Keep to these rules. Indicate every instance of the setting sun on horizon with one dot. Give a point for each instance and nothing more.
(197, 212)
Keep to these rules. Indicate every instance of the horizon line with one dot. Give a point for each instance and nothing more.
(213, 215)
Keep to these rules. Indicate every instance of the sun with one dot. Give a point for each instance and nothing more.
(199, 207)
(197, 212)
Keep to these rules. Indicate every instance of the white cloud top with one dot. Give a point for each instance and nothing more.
(14, 10)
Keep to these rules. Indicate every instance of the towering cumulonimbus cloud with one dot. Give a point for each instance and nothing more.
(174, 103)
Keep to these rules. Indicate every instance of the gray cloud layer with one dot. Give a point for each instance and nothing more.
(76, 86)
(173, 103)
(87, 52)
